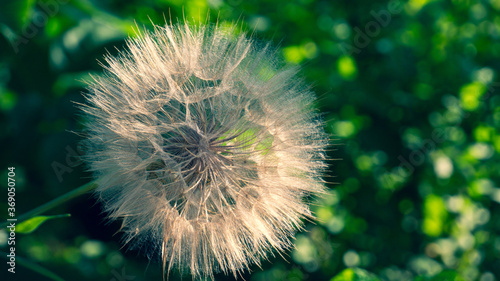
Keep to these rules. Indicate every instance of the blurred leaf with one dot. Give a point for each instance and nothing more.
(470, 95)
(434, 215)
(355, 274)
(8, 99)
(346, 67)
(32, 224)
(293, 54)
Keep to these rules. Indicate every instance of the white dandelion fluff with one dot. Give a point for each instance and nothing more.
(205, 147)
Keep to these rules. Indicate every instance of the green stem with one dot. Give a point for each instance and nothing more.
(55, 202)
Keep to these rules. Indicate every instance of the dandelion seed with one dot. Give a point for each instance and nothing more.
(205, 147)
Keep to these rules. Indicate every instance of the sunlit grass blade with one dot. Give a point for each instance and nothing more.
(32, 224)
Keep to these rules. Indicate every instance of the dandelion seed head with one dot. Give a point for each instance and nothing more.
(204, 146)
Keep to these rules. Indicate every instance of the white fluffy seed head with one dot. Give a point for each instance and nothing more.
(205, 146)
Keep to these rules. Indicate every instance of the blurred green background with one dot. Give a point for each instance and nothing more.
(409, 91)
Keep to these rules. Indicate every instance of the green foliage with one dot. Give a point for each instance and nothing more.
(409, 91)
